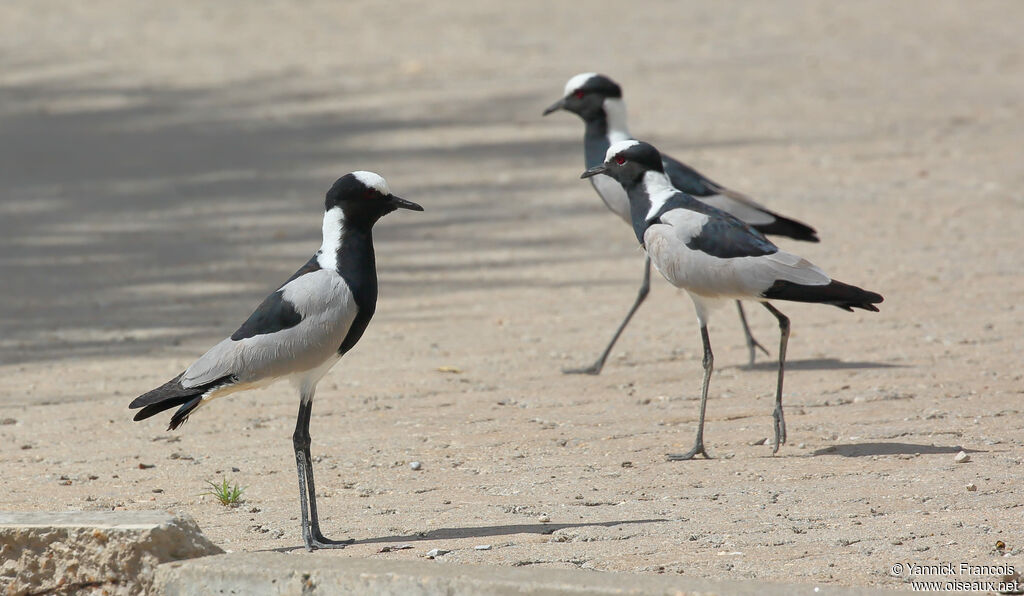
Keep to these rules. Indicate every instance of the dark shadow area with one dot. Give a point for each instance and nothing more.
(867, 449)
(484, 532)
(129, 229)
(816, 364)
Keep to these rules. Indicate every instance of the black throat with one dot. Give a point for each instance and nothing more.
(639, 207)
(356, 264)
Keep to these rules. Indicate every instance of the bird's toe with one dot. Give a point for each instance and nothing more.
(697, 450)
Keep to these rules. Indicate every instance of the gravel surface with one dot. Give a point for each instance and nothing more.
(163, 167)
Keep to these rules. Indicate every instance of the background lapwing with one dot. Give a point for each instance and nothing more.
(299, 331)
(598, 101)
(715, 256)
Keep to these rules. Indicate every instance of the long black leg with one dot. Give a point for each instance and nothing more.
(596, 367)
(301, 441)
(311, 534)
(780, 422)
(752, 344)
(709, 365)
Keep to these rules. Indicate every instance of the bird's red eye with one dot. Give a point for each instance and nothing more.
(369, 194)
(578, 94)
(620, 160)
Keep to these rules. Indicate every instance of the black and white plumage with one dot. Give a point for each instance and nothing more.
(714, 257)
(598, 101)
(299, 331)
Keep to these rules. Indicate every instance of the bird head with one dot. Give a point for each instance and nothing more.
(585, 95)
(365, 195)
(628, 161)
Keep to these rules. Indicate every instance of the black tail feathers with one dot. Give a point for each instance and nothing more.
(837, 293)
(172, 394)
(789, 228)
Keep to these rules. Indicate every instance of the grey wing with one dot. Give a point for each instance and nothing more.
(734, 203)
(741, 207)
(688, 179)
(296, 331)
(721, 234)
(670, 245)
(712, 193)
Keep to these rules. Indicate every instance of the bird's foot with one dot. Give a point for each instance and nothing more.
(315, 539)
(780, 430)
(593, 369)
(697, 449)
(318, 542)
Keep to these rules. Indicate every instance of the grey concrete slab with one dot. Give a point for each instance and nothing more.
(286, 574)
(115, 552)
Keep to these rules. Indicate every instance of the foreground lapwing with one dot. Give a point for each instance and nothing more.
(598, 101)
(715, 256)
(299, 331)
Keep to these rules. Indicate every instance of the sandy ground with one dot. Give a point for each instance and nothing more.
(163, 167)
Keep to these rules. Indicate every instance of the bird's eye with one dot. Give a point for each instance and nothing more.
(620, 160)
(369, 194)
(578, 94)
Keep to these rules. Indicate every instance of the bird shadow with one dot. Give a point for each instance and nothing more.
(868, 449)
(818, 364)
(481, 532)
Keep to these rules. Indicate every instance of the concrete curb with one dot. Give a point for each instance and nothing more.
(277, 574)
(75, 552)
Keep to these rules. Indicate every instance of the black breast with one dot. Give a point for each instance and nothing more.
(358, 267)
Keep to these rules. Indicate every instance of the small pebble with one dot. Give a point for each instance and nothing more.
(627, 464)
(972, 487)
(7, 421)
(544, 519)
(146, 466)
(482, 547)
(962, 458)
(415, 465)
(760, 441)
(437, 552)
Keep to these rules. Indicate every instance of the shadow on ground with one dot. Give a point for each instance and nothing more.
(818, 364)
(867, 449)
(486, 531)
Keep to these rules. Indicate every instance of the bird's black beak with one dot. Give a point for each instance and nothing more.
(403, 204)
(558, 105)
(594, 171)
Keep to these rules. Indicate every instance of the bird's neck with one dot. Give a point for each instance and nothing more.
(649, 196)
(615, 114)
(347, 245)
(604, 130)
(348, 250)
